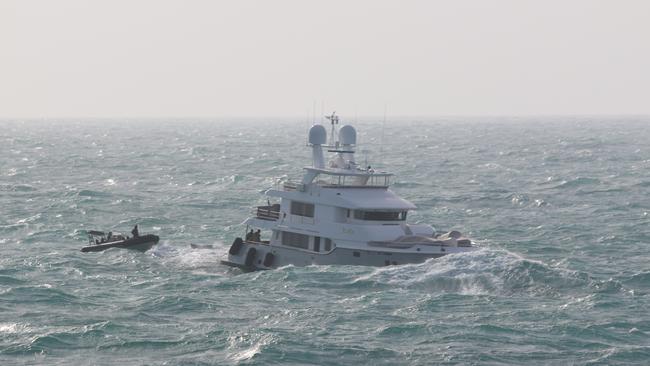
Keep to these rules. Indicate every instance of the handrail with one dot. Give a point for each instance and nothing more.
(268, 212)
(340, 181)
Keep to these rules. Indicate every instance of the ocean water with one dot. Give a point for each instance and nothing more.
(559, 206)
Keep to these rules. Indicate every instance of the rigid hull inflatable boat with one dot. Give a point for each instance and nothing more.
(99, 241)
(339, 213)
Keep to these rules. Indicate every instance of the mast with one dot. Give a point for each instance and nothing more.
(334, 119)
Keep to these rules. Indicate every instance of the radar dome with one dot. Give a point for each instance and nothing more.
(348, 135)
(317, 135)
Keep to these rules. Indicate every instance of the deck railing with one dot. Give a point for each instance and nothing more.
(339, 182)
(271, 213)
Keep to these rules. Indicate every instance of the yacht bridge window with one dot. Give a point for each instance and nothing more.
(336, 180)
(380, 215)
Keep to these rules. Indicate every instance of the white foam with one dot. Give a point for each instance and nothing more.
(252, 350)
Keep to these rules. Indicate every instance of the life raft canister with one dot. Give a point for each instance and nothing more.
(250, 257)
(236, 246)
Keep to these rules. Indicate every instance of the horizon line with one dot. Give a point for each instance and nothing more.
(310, 118)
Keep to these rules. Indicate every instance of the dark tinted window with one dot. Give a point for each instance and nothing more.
(295, 240)
(302, 209)
(316, 243)
(380, 215)
(328, 245)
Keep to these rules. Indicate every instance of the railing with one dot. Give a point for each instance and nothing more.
(271, 213)
(290, 186)
(338, 181)
(357, 181)
(297, 219)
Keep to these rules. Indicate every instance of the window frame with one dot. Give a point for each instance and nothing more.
(303, 209)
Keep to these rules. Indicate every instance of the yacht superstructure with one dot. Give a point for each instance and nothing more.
(339, 213)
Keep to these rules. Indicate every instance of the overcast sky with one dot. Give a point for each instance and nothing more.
(162, 58)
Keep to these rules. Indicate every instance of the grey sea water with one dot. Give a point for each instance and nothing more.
(560, 207)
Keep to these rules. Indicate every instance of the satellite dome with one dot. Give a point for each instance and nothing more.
(348, 135)
(317, 135)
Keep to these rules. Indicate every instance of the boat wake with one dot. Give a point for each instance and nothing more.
(486, 271)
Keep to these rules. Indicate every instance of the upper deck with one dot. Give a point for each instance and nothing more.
(342, 178)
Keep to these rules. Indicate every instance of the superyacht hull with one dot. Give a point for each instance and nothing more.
(251, 256)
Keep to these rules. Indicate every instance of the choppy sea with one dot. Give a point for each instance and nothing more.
(560, 207)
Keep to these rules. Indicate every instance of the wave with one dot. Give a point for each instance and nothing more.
(92, 193)
(577, 182)
(640, 280)
(9, 280)
(483, 272)
(17, 188)
(406, 184)
(43, 294)
(47, 339)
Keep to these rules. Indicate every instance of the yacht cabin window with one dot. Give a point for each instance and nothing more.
(316, 243)
(302, 241)
(380, 215)
(328, 245)
(302, 209)
(295, 240)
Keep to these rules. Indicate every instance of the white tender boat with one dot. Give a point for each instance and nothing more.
(340, 213)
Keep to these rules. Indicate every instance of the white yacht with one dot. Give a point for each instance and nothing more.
(339, 213)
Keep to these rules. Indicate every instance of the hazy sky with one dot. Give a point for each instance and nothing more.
(156, 58)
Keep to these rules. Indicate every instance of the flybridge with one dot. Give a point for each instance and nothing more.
(347, 178)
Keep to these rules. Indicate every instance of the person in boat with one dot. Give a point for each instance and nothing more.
(258, 235)
(135, 231)
(108, 237)
(249, 235)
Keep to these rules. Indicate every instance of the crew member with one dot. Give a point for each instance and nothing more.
(135, 231)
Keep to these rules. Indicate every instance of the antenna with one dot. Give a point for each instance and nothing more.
(381, 142)
(334, 119)
(308, 118)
